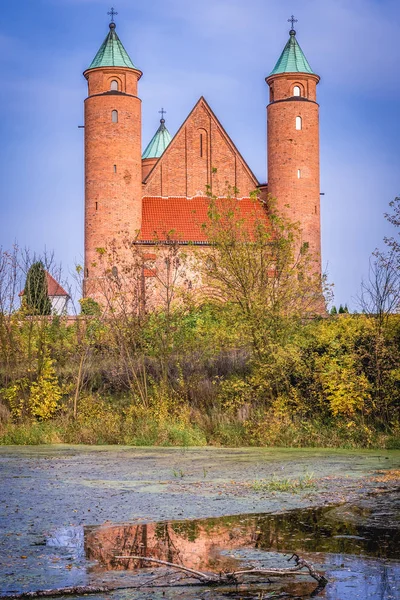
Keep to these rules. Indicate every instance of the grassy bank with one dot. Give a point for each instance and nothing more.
(272, 431)
(330, 382)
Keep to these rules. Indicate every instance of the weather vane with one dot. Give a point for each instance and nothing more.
(112, 14)
(162, 113)
(292, 20)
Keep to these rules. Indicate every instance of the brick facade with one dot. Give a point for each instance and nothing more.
(121, 189)
(113, 163)
(200, 155)
(293, 154)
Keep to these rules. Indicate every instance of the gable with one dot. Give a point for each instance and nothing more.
(200, 155)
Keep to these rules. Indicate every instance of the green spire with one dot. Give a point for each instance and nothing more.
(112, 53)
(159, 143)
(292, 59)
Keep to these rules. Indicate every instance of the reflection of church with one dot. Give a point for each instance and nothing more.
(147, 196)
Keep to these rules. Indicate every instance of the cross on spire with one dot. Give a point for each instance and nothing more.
(162, 113)
(292, 20)
(112, 14)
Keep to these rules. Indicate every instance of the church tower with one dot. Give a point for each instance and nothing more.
(293, 143)
(113, 162)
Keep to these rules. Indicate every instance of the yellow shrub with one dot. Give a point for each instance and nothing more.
(346, 390)
(39, 398)
(45, 393)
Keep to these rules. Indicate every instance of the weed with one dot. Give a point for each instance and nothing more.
(291, 486)
(178, 473)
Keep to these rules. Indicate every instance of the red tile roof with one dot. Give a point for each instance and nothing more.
(182, 218)
(53, 287)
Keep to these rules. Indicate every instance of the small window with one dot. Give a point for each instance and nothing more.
(299, 123)
(97, 205)
(115, 168)
(296, 91)
(201, 145)
(298, 173)
(114, 116)
(87, 272)
(114, 272)
(114, 85)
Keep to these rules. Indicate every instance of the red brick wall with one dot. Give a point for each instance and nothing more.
(187, 166)
(290, 150)
(147, 165)
(113, 164)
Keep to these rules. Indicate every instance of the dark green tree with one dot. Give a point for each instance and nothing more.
(36, 297)
(333, 310)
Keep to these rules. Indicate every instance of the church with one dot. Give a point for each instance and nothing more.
(149, 194)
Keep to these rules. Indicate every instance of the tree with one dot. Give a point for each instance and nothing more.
(36, 297)
(259, 264)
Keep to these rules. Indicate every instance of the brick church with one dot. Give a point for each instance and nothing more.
(147, 194)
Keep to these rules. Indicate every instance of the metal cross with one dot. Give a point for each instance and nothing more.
(112, 14)
(292, 20)
(162, 113)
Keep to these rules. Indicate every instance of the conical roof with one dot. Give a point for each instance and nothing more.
(292, 59)
(112, 53)
(159, 143)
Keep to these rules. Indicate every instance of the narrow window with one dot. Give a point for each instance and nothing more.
(201, 145)
(299, 123)
(298, 173)
(271, 94)
(315, 210)
(114, 116)
(97, 206)
(114, 85)
(87, 272)
(114, 272)
(296, 91)
(115, 168)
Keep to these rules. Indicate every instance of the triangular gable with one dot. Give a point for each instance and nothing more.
(201, 154)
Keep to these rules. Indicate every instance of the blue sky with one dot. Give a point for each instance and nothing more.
(222, 49)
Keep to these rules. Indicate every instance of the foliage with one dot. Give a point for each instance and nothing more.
(89, 307)
(39, 398)
(35, 293)
(255, 361)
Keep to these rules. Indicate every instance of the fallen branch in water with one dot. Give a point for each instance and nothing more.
(203, 578)
(229, 578)
(69, 591)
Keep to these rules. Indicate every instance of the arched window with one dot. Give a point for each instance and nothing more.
(299, 123)
(298, 173)
(114, 116)
(114, 85)
(114, 272)
(203, 143)
(296, 91)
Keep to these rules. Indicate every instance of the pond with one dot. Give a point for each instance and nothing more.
(356, 547)
(67, 513)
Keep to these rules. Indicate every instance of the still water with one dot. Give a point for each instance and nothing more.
(357, 548)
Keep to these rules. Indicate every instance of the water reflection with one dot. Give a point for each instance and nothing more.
(356, 547)
(212, 544)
